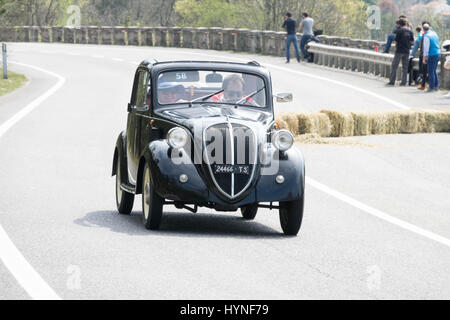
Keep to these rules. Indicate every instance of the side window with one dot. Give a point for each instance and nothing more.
(149, 93)
(141, 93)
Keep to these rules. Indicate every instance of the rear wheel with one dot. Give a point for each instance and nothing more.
(291, 216)
(249, 212)
(152, 203)
(124, 200)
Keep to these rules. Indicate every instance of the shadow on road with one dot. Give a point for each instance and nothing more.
(178, 224)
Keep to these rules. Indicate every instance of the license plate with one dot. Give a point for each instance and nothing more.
(230, 169)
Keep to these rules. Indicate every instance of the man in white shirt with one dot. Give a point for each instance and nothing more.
(306, 27)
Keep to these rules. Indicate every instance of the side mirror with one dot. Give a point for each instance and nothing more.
(284, 97)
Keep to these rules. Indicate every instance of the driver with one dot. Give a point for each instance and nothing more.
(169, 92)
(233, 90)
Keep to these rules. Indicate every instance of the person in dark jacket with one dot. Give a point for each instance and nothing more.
(404, 39)
(291, 28)
(391, 37)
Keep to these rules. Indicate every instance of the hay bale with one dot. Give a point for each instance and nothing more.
(291, 120)
(314, 123)
(329, 123)
(437, 121)
(281, 123)
(362, 123)
(342, 124)
(378, 123)
(409, 122)
(321, 124)
(305, 125)
(393, 122)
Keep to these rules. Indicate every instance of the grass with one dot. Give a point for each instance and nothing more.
(13, 82)
(332, 124)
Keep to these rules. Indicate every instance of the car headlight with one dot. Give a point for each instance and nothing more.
(177, 138)
(283, 140)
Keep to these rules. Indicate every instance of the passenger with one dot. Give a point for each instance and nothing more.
(169, 93)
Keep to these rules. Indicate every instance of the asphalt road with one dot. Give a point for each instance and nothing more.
(377, 214)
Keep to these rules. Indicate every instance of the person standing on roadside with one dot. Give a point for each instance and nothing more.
(423, 67)
(413, 54)
(306, 27)
(291, 28)
(431, 56)
(404, 39)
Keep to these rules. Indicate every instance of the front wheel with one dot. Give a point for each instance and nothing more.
(124, 200)
(291, 216)
(249, 212)
(152, 203)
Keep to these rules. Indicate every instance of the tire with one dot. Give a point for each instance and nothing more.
(291, 215)
(152, 203)
(249, 212)
(124, 200)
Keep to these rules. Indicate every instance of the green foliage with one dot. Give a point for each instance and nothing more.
(13, 82)
(213, 13)
(336, 17)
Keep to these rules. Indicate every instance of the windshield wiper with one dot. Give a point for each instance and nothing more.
(250, 96)
(206, 97)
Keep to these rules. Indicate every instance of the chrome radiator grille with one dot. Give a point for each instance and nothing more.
(230, 151)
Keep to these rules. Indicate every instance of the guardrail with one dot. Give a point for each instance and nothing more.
(344, 53)
(376, 63)
(357, 60)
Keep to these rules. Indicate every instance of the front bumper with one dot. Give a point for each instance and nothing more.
(166, 176)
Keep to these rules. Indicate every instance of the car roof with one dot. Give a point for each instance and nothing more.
(250, 67)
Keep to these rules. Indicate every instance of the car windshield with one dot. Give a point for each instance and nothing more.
(212, 87)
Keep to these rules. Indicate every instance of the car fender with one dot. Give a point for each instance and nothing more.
(120, 152)
(292, 168)
(165, 174)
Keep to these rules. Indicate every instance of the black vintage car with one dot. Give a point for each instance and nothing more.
(203, 134)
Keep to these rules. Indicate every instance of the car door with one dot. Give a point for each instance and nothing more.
(137, 108)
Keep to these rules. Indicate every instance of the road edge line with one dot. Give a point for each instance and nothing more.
(377, 213)
(15, 262)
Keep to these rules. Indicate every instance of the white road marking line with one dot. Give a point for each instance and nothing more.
(305, 74)
(24, 273)
(4, 127)
(117, 59)
(19, 267)
(97, 56)
(377, 213)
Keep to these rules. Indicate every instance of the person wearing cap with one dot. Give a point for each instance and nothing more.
(431, 56)
(169, 92)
